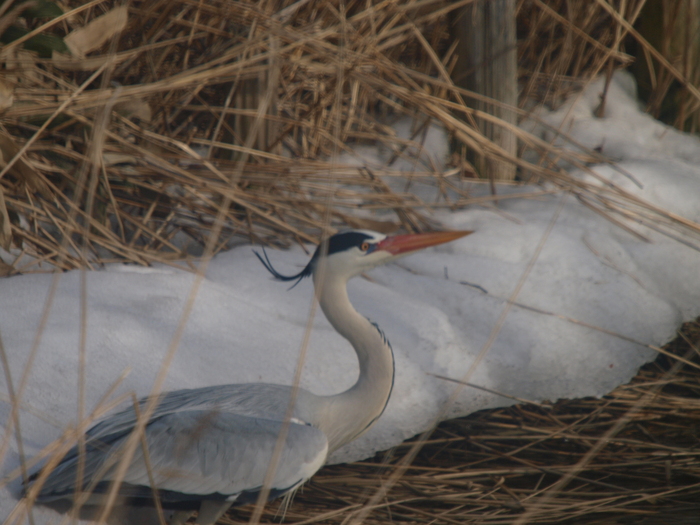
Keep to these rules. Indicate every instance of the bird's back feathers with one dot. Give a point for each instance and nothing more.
(209, 443)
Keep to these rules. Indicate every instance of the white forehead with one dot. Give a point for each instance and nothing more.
(375, 236)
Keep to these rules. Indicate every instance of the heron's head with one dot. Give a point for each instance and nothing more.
(352, 252)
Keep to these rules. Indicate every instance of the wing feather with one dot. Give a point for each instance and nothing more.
(194, 451)
(199, 452)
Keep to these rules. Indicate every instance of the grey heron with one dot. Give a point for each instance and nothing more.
(209, 448)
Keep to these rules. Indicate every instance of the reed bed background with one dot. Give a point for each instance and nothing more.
(169, 113)
(174, 128)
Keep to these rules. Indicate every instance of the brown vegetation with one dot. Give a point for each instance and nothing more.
(187, 123)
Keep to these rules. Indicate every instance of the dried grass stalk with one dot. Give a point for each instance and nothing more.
(191, 129)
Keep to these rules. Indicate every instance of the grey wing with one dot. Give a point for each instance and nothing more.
(199, 454)
(252, 399)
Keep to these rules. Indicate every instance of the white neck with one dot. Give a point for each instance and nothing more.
(349, 414)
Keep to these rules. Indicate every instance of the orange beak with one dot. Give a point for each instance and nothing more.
(399, 244)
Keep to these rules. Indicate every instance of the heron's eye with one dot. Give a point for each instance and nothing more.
(364, 246)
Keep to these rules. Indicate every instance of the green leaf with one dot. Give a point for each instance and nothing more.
(44, 9)
(42, 44)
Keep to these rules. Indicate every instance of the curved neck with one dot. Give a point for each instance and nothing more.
(349, 414)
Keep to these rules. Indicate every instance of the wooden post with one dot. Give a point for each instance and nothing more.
(487, 64)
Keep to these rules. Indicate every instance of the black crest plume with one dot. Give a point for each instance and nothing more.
(307, 271)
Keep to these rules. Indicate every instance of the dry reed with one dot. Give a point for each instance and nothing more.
(185, 80)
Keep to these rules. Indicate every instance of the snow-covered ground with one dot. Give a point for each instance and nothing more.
(592, 301)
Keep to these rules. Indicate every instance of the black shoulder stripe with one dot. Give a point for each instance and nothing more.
(381, 333)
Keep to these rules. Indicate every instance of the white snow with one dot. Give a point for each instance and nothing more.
(438, 307)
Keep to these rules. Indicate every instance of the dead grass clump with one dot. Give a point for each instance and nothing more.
(564, 44)
(169, 114)
(138, 139)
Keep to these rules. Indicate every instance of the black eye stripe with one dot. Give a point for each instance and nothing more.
(346, 240)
